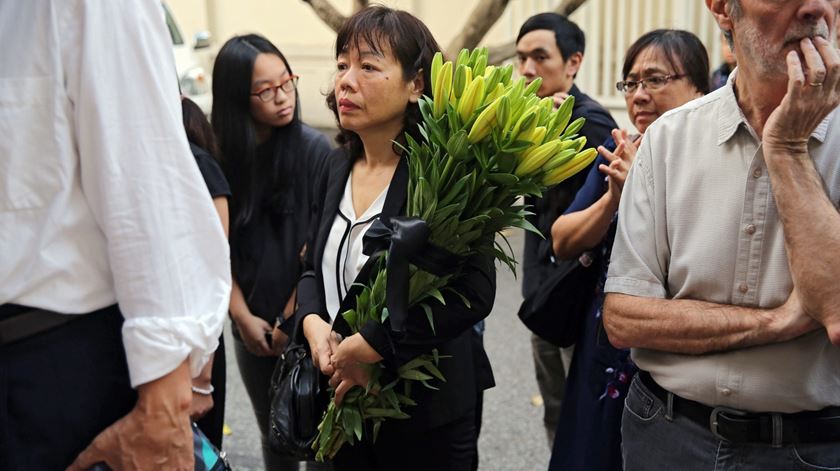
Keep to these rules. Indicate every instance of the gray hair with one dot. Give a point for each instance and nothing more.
(735, 13)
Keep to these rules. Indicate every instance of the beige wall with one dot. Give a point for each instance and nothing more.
(610, 25)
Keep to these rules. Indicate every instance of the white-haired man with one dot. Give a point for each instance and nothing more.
(723, 277)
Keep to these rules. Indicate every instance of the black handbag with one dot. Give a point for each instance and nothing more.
(556, 310)
(298, 402)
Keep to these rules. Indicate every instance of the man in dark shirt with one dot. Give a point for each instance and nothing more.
(551, 47)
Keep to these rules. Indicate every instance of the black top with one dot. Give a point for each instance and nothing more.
(468, 369)
(537, 255)
(266, 251)
(215, 179)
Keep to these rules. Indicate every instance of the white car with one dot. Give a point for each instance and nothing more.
(194, 80)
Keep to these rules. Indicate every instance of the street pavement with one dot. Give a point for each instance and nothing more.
(512, 436)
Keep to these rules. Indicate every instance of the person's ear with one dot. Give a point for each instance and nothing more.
(573, 64)
(418, 84)
(720, 10)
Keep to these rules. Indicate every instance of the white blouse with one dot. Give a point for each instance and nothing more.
(343, 258)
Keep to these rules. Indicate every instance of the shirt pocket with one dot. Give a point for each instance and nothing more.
(29, 157)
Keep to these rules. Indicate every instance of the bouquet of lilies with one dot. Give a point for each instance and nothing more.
(487, 140)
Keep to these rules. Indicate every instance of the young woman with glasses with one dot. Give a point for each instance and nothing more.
(271, 160)
(663, 69)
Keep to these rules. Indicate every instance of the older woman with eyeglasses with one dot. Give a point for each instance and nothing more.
(663, 69)
(271, 160)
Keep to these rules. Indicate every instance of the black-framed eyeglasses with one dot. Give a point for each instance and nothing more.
(651, 84)
(268, 94)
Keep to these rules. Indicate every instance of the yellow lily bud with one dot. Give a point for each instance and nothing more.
(444, 86)
(492, 77)
(574, 127)
(471, 99)
(559, 159)
(474, 56)
(534, 160)
(536, 136)
(463, 57)
(578, 163)
(578, 143)
(561, 117)
(437, 62)
(460, 80)
(485, 122)
(503, 112)
(526, 124)
(533, 86)
(507, 73)
(480, 64)
(498, 91)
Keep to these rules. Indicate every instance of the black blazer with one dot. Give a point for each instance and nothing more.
(468, 370)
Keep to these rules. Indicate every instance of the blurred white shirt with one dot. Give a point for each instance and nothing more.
(101, 201)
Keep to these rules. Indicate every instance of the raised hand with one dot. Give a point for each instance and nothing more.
(813, 92)
(620, 161)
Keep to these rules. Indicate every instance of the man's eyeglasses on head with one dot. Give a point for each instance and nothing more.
(268, 94)
(651, 84)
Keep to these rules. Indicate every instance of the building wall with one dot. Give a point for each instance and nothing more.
(610, 26)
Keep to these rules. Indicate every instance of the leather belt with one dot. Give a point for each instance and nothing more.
(732, 425)
(20, 322)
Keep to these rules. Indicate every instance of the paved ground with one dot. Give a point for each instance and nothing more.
(512, 437)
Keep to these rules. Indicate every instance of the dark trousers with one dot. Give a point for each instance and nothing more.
(213, 423)
(403, 446)
(59, 389)
(652, 442)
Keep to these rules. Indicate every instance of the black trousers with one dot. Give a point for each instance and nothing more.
(59, 389)
(213, 423)
(403, 446)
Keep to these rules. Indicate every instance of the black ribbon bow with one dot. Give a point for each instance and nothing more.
(407, 242)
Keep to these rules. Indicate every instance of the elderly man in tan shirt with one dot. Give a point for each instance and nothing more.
(724, 273)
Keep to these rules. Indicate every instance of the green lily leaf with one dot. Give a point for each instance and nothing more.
(415, 375)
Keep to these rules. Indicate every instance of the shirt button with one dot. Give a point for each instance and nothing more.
(750, 229)
(726, 391)
(757, 172)
(743, 288)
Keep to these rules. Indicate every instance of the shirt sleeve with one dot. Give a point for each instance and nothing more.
(211, 172)
(638, 265)
(595, 185)
(166, 248)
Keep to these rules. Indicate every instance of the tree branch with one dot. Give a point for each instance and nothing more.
(327, 13)
(483, 17)
(500, 53)
(359, 4)
(567, 7)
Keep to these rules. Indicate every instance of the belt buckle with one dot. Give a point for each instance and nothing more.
(713, 420)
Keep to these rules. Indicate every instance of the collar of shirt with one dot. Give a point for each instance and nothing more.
(731, 117)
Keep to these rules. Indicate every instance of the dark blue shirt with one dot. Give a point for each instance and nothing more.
(588, 435)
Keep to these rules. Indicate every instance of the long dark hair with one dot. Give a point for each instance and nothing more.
(683, 50)
(254, 182)
(198, 129)
(412, 44)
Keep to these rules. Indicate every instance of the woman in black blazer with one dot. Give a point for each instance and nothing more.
(383, 64)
